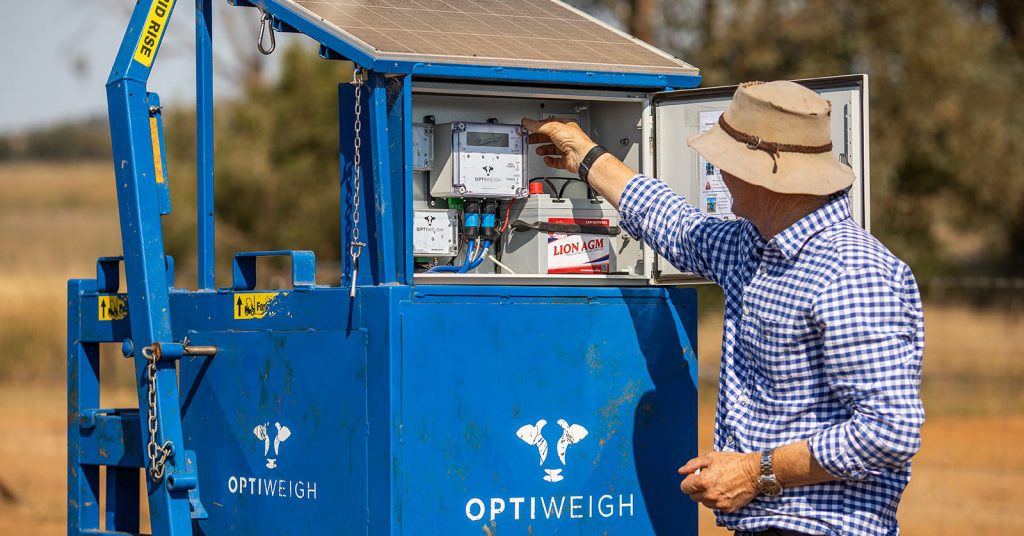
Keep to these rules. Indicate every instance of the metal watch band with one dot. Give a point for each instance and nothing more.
(766, 462)
(589, 159)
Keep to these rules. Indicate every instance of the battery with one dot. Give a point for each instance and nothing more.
(568, 236)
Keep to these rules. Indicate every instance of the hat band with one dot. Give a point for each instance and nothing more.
(755, 143)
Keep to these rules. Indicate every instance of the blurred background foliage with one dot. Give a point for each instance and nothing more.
(947, 124)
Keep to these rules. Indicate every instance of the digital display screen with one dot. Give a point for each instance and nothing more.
(487, 139)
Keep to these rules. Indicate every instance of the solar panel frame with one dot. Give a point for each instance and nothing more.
(361, 25)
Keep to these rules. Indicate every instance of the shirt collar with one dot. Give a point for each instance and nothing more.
(791, 240)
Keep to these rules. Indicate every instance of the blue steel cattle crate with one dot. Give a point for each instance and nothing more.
(433, 390)
(449, 410)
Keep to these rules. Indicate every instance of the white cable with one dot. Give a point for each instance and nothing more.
(500, 265)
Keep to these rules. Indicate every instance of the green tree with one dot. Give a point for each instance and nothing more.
(946, 128)
(276, 165)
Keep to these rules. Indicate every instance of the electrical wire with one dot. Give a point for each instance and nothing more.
(484, 251)
(547, 180)
(493, 259)
(456, 269)
(467, 264)
(558, 193)
(504, 224)
(570, 180)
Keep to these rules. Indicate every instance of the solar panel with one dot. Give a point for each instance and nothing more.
(511, 33)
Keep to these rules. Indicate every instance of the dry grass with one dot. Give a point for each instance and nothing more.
(55, 221)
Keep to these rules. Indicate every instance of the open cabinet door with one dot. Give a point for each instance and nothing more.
(680, 114)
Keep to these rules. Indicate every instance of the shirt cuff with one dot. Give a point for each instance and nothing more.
(828, 448)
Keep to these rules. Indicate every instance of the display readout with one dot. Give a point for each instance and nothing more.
(487, 139)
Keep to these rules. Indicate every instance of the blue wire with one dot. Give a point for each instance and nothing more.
(480, 258)
(455, 269)
(444, 269)
(470, 250)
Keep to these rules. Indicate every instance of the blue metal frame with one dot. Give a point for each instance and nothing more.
(145, 264)
(206, 257)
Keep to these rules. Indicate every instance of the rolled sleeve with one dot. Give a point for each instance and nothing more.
(686, 237)
(873, 345)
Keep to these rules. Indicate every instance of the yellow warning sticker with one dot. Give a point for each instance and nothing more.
(158, 161)
(153, 31)
(253, 305)
(112, 306)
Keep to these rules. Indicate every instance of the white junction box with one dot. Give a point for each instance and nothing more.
(422, 146)
(479, 160)
(435, 233)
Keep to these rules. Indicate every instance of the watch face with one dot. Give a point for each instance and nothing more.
(770, 487)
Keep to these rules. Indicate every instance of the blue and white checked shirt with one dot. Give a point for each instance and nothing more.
(823, 341)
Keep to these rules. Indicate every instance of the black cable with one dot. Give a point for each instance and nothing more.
(547, 180)
(570, 180)
(558, 193)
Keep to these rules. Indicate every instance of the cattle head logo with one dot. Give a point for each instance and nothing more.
(263, 433)
(430, 220)
(532, 434)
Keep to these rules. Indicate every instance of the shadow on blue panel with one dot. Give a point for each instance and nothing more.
(665, 419)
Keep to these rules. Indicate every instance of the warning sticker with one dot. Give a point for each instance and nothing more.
(158, 162)
(112, 307)
(153, 31)
(253, 305)
(579, 253)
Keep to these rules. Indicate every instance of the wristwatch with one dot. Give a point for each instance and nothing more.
(768, 484)
(589, 159)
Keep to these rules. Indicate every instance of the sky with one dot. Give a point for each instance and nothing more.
(56, 57)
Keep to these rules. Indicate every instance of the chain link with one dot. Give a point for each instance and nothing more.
(355, 247)
(158, 454)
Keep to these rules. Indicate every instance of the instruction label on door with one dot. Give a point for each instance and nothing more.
(715, 198)
(579, 253)
(253, 305)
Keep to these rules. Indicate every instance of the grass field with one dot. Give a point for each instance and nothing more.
(55, 220)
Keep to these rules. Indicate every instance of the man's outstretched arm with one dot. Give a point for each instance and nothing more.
(686, 237)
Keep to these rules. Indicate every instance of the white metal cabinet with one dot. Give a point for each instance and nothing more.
(674, 116)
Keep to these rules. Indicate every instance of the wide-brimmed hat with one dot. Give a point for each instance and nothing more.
(776, 135)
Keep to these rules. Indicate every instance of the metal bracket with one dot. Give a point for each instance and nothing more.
(87, 419)
(108, 273)
(188, 480)
(303, 269)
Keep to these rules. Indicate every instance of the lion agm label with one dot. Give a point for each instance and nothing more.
(153, 31)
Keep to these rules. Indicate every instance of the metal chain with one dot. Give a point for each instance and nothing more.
(355, 247)
(158, 454)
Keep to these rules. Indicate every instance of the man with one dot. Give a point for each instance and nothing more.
(819, 410)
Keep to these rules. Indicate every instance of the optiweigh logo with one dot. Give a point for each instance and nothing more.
(554, 506)
(282, 435)
(272, 436)
(532, 434)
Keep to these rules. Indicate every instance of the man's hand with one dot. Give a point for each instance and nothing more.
(726, 481)
(565, 143)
